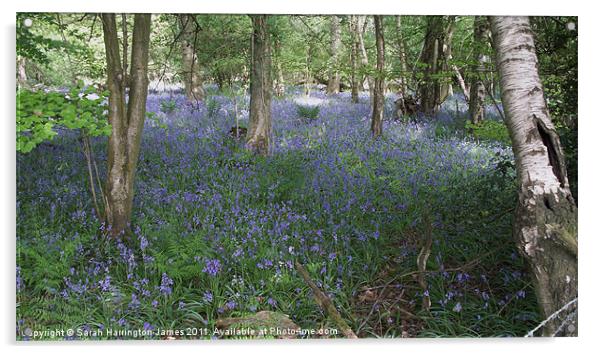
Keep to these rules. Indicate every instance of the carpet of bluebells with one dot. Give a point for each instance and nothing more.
(217, 230)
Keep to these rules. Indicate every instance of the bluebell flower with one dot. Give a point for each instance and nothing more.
(212, 267)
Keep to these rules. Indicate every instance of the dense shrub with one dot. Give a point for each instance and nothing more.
(307, 111)
(489, 130)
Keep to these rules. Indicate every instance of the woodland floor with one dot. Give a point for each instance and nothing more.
(217, 230)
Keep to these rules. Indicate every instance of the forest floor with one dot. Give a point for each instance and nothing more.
(217, 230)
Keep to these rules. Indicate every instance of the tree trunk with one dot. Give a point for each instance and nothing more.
(260, 116)
(127, 120)
(279, 74)
(403, 64)
(21, 73)
(362, 22)
(461, 83)
(334, 80)
(447, 87)
(476, 107)
(308, 78)
(545, 225)
(353, 24)
(432, 89)
(378, 97)
(193, 86)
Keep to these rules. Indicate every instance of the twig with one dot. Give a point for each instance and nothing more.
(552, 316)
(400, 309)
(454, 269)
(325, 302)
(87, 153)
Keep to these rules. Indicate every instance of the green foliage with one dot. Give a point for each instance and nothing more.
(308, 111)
(33, 45)
(212, 106)
(491, 130)
(38, 112)
(155, 121)
(223, 47)
(168, 106)
(60, 48)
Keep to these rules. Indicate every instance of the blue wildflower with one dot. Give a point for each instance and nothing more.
(212, 267)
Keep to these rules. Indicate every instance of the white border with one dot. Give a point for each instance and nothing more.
(589, 197)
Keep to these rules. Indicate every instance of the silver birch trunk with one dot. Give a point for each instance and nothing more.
(545, 225)
(476, 107)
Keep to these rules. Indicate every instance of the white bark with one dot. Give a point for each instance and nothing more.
(545, 225)
(477, 93)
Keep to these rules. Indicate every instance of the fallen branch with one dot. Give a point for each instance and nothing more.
(325, 302)
(425, 252)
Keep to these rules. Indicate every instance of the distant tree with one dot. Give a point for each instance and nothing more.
(190, 72)
(476, 106)
(126, 119)
(378, 96)
(260, 116)
(545, 223)
(355, 45)
(31, 45)
(401, 50)
(334, 80)
(365, 63)
(279, 84)
(433, 89)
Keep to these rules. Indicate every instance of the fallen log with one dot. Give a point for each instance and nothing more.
(325, 302)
